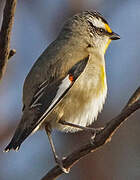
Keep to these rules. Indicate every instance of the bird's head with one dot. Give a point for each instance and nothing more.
(92, 27)
(99, 30)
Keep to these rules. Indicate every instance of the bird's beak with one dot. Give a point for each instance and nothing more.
(114, 36)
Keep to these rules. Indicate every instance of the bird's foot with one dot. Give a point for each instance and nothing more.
(94, 132)
(60, 164)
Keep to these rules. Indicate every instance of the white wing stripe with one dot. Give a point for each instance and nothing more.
(62, 88)
(42, 83)
(40, 90)
(34, 103)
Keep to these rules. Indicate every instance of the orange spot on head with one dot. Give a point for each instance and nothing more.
(71, 78)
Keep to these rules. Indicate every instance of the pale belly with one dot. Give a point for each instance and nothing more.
(81, 104)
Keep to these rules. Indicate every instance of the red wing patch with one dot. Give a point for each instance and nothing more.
(71, 77)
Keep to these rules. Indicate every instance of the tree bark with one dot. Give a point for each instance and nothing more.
(5, 34)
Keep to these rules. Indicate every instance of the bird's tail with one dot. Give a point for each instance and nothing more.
(15, 145)
(20, 135)
(23, 130)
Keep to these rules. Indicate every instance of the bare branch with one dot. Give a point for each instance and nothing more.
(5, 34)
(134, 98)
(101, 138)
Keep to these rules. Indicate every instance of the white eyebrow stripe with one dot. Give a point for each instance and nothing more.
(97, 22)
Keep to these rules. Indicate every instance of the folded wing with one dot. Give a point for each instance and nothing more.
(44, 101)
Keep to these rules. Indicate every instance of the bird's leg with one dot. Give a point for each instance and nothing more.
(57, 159)
(94, 131)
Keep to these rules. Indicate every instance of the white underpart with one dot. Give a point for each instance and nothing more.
(92, 109)
(89, 114)
(92, 89)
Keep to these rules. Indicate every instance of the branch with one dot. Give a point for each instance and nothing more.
(5, 34)
(101, 138)
(11, 53)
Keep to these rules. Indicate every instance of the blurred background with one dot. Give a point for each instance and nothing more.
(37, 24)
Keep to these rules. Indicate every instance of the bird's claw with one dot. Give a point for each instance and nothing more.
(95, 131)
(60, 164)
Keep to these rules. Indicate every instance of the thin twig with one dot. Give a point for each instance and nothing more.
(5, 34)
(101, 138)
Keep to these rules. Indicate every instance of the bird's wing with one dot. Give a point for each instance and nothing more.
(48, 96)
(45, 99)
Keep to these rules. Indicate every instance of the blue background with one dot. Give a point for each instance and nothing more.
(37, 24)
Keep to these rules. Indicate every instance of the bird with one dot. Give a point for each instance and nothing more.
(66, 88)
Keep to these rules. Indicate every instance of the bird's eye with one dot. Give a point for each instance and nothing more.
(100, 31)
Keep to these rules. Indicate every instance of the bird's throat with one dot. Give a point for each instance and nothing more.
(107, 44)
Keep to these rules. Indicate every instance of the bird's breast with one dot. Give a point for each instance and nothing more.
(85, 99)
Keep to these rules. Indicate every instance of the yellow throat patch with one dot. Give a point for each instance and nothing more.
(103, 76)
